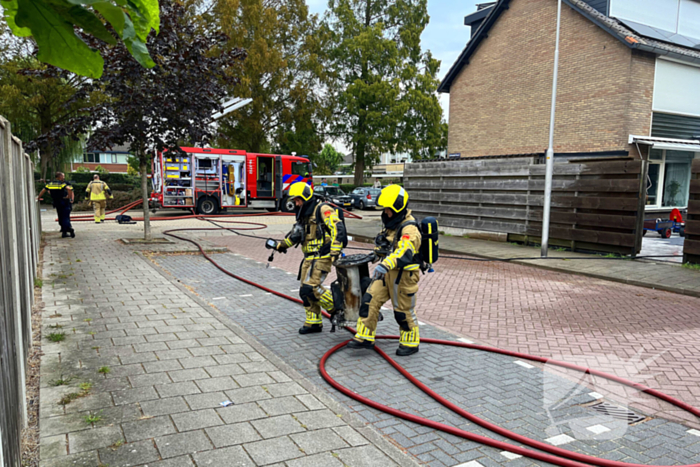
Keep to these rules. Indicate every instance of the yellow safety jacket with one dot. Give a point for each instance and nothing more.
(97, 190)
(405, 248)
(319, 242)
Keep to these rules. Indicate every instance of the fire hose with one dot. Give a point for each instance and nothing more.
(551, 454)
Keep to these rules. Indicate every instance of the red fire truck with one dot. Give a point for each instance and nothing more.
(210, 180)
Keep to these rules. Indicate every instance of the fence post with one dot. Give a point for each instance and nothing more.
(9, 195)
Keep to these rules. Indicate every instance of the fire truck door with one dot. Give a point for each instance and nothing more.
(278, 177)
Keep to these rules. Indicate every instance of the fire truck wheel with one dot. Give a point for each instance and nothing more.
(287, 204)
(207, 206)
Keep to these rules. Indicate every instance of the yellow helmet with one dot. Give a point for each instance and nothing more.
(301, 190)
(393, 197)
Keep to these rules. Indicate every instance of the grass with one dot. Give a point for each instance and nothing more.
(93, 418)
(87, 320)
(104, 370)
(694, 267)
(38, 283)
(56, 336)
(85, 387)
(559, 248)
(55, 326)
(61, 381)
(116, 445)
(78, 261)
(68, 398)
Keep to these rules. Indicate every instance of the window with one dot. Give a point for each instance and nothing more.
(300, 168)
(122, 159)
(668, 184)
(90, 157)
(358, 191)
(675, 16)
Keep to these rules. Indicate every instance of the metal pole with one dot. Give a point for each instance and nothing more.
(550, 149)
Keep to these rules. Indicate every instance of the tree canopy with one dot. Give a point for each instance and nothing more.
(52, 24)
(383, 83)
(281, 74)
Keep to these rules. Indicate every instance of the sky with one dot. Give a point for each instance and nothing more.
(445, 36)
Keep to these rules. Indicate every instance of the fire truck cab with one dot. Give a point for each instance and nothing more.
(209, 180)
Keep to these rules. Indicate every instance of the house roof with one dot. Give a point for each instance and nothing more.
(613, 26)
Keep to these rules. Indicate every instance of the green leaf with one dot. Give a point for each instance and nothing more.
(82, 18)
(149, 10)
(113, 14)
(10, 7)
(136, 47)
(58, 44)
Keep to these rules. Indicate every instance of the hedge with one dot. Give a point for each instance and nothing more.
(125, 188)
(110, 178)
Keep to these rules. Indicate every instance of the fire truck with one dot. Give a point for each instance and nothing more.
(211, 180)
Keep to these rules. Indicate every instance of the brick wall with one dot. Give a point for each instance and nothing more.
(500, 102)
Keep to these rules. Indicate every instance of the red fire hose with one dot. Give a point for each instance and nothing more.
(553, 454)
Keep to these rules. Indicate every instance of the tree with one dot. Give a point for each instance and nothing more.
(170, 104)
(280, 74)
(328, 161)
(53, 23)
(37, 98)
(384, 85)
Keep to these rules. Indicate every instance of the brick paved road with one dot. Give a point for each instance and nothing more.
(492, 386)
(645, 335)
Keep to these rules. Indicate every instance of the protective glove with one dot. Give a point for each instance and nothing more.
(379, 272)
(334, 259)
(375, 257)
(281, 247)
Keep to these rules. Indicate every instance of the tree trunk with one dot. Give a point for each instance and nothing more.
(359, 166)
(144, 194)
(44, 165)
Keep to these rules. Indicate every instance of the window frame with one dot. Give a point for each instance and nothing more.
(662, 183)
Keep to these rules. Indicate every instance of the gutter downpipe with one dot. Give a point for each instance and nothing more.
(550, 149)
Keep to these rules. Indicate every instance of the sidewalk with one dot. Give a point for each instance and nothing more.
(643, 273)
(144, 366)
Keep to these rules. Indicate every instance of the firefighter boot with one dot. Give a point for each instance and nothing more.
(364, 339)
(408, 344)
(313, 323)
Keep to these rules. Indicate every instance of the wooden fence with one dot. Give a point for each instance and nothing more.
(595, 203)
(20, 235)
(691, 246)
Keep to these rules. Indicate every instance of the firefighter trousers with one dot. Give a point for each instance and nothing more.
(98, 207)
(312, 292)
(403, 299)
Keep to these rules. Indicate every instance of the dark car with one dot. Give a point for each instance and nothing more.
(334, 195)
(365, 197)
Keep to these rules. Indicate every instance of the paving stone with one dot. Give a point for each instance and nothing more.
(352, 437)
(313, 442)
(148, 428)
(368, 456)
(243, 395)
(177, 389)
(149, 380)
(63, 424)
(181, 461)
(206, 401)
(188, 375)
(285, 389)
(162, 366)
(134, 395)
(164, 406)
(319, 460)
(197, 362)
(241, 413)
(272, 450)
(128, 455)
(231, 456)
(222, 383)
(277, 426)
(317, 419)
(224, 370)
(310, 402)
(282, 405)
(195, 420)
(228, 435)
(87, 459)
(182, 443)
(255, 379)
(95, 438)
(55, 446)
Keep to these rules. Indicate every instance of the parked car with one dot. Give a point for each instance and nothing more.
(334, 195)
(365, 197)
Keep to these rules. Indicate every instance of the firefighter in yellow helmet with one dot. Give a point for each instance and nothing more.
(395, 277)
(321, 234)
(98, 191)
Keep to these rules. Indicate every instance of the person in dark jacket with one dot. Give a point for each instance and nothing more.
(62, 195)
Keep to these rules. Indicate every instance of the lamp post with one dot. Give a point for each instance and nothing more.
(550, 149)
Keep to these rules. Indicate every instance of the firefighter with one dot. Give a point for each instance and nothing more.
(395, 277)
(320, 232)
(62, 196)
(98, 197)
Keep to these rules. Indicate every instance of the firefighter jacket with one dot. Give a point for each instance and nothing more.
(98, 190)
(320, 240)
(404, 250)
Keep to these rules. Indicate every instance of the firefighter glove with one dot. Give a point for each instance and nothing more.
(379, 272)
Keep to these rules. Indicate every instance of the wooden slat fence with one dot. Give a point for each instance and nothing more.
(595, 204)
(20, 236)
(691, 246)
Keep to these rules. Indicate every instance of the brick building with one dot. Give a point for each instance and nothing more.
(114, 160)
(629, 81)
